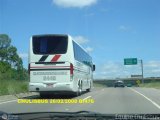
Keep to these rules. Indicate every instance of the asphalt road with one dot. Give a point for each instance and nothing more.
(106, 100)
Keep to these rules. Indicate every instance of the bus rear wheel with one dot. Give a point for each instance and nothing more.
(89, 89)
(79, 92)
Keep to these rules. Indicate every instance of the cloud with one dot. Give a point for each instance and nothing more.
(155, 71)
(89, 49)
(81, 39)
(124, 28)
(152, 67)
(23, 55)
(111, 69)
(152, 64)
(74, 3)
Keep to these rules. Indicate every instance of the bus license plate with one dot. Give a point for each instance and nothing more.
(49, 85)
(49, 78)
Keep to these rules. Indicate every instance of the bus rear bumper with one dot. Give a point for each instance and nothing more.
(41, 87)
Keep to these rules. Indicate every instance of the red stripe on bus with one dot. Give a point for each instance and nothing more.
(55, 58)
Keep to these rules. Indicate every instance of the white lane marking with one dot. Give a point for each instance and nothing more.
(87, 97)
(154, 103)
(102, 89)
(66, 109)
(7, 102)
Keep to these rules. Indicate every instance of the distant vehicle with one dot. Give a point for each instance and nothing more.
(119, 84)
(129, 85)
(57, 64)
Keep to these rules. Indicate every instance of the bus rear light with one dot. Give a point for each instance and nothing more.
(71, 69)
(71, 72)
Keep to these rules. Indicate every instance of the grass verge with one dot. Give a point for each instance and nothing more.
(98, 85)
(10, 87)
(151, 85)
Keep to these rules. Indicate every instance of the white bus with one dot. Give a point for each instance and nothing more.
(57, 64)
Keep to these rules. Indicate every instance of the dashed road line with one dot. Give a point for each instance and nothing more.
(103, 89)
(87, 97)
(7, 101)
(66, 109)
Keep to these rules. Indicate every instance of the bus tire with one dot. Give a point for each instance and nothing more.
(79, 92)
(89, 89)
(80, 89)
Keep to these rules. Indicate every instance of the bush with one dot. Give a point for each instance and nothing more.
(8, 87)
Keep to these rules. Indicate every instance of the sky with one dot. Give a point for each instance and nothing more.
(110, 30)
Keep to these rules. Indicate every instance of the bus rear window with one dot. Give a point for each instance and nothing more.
(50, 44)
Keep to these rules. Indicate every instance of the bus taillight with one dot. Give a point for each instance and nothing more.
(71, 69)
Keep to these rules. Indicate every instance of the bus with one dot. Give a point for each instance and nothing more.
(58, 64)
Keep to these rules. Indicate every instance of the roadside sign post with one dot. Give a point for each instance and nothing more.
(133, 61)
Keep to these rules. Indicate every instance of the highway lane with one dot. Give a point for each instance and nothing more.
(107, 100)
(152, 93)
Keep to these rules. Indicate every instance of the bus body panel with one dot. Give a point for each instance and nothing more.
(83, 73)
(52, 72)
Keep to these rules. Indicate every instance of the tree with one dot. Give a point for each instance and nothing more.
(5, 41)
(10, 62)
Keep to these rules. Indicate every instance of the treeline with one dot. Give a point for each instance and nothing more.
(11, 65)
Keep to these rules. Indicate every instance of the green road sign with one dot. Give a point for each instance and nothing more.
(130, 61)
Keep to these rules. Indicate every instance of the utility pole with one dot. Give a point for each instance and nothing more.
(142, 71)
